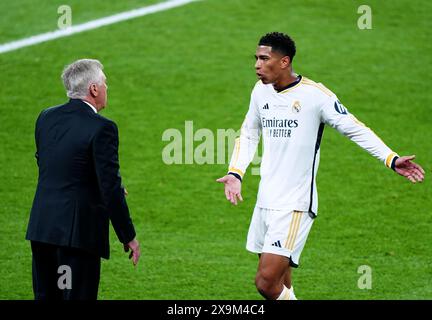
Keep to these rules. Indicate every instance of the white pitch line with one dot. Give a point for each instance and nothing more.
(94, 24)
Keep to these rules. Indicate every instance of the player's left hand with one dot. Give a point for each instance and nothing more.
(408, 169)
(135, 251)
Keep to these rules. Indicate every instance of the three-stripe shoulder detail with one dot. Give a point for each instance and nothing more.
(320, 86)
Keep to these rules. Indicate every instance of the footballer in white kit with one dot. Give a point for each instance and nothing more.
(290, 112)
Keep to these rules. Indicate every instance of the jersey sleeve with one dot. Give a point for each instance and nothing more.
(246, 145)
(337, 116)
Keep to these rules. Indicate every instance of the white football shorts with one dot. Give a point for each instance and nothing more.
(279, 232)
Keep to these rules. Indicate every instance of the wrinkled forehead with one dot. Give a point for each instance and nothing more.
(264, 51)
(103, 76)
(267, 51)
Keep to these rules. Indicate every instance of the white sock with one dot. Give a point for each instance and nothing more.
(287, 294)
(292, 295)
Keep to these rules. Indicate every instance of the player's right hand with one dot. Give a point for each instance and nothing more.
(232, 188)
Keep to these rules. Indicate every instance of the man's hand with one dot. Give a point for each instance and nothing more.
(410, 170)
(135, 250)
(232, 188)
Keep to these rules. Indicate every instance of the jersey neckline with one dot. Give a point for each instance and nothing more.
(291, 85)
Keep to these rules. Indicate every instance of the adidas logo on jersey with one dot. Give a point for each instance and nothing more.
(277, 244)
(266, 106)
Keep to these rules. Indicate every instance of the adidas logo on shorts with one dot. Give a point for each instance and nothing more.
(277, 244)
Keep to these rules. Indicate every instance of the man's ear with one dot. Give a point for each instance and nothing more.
(285, 62)
(93, 90)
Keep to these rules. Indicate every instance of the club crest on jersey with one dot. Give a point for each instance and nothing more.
(296, 107)
(340, 108)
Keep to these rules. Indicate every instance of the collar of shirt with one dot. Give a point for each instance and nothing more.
(90, 105)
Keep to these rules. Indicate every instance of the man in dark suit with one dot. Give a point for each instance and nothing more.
(79, 190)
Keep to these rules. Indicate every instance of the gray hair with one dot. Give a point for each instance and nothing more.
(79, 75)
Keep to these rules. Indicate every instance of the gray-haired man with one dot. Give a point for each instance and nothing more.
(79, 190)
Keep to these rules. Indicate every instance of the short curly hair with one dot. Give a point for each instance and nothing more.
(279, 42)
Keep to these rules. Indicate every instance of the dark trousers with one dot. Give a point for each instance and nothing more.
(63, 273)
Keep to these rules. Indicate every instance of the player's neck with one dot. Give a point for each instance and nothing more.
(286, 82)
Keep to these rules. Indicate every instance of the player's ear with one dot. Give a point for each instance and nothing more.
(285, 62)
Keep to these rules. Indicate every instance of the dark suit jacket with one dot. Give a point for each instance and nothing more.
(79, 188)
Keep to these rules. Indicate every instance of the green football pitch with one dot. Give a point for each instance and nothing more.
(195, 63)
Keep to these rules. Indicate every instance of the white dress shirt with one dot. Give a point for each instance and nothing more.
(91, 106)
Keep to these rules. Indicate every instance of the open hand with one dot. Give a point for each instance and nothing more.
(410, 170)
(232, 188)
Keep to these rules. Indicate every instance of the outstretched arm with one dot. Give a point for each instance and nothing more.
(336, 115)
(244, 151)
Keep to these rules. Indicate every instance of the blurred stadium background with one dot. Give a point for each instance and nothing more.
(195, 62)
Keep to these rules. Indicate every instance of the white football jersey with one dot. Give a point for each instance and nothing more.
(292, 123)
